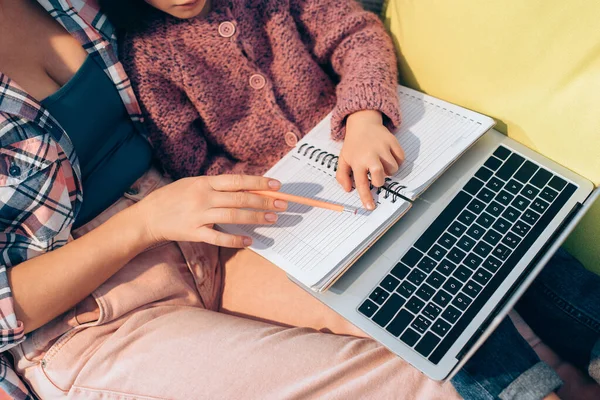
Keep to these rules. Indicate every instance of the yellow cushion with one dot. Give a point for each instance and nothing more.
(533, 65)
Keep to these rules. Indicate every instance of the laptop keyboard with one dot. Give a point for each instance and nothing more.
(434, 292)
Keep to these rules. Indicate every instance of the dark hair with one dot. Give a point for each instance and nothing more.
(127, 15)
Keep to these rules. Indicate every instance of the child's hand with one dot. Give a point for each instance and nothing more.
(369, 147)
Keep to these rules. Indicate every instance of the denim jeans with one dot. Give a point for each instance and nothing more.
(562, 306)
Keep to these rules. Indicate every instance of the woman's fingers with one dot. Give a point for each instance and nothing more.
(390, 165)
(247, 200)
(234, 183)
(377, 173)
(398, 152)
(237, 216)
(220, 239)
(363, 186)
(343, 174)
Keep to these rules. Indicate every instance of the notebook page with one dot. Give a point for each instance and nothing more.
(433, 134)
(308, 242)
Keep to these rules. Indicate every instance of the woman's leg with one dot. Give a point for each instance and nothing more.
(191, 353)
(562, 306)
(255, 288)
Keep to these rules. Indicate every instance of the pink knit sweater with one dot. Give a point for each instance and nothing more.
(235, 91)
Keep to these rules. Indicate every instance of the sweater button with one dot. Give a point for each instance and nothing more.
(257, 81)
(291, 139)
(226, 29)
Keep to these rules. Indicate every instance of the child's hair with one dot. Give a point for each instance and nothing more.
(126, 15)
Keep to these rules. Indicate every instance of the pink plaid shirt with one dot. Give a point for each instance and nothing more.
(40, 178)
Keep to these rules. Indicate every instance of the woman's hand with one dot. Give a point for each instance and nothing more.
(369, 148)
(187, 209)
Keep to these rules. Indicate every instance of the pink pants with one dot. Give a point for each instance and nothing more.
(176, 323)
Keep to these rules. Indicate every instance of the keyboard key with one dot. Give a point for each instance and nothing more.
(462, 301)
(511, 214)
(390, 283)
(502, 225)
(412, 257)
(400, 271)
(456, 255)
(440, 327)
(420, 324)
(510, 167)
(492, 237)
(476, 206)
(427, 264)
(492, 264)
(485, 220)
(495, 184)
(427, 344)
(504, 198)
(379, 295)
(462, 273)
(446, 267)
(485, 195)
(476, 232)
(465, 243)
(530, 192)
(457, 229)
(467, 217)
(548, 194)
(502, 252)
(416, 276)
(431, 235)
(431, 311)
(531, 217)
(473, 186)
(451, 314)
(484, 174)
(558, 183)
(473, 261)
(410, 337)
(367, 308)
(472, 289)
(437, 252)
(447, 241)
(513, 186)
(436, 279)
(511, 240)
(526, 172)
(415, 305)
(399, 324)
(453, 285)
(389, 309)
(541, 178)
(493, 163)
(482, 249)
(539, 205)
(502, 152)
(425, 292)
(482, 276)
(521, 228)
(495, 209)
(406, 289)
(442, 298)
(521, 203)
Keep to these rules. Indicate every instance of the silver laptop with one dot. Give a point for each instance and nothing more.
(436, 285)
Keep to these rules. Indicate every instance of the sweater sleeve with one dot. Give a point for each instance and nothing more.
(174, 125)
(355, 45)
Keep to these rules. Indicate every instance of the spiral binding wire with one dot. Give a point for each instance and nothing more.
(330, 160)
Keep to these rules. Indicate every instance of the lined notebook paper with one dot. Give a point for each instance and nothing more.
(314, 245)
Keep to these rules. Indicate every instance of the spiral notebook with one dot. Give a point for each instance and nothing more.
(315, 246)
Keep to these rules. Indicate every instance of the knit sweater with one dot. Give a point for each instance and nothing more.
(234, 91)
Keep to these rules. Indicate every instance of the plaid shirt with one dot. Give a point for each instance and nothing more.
(40, 178)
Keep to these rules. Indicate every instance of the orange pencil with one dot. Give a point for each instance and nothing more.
(304, 200)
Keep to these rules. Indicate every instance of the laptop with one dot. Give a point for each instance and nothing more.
(437, 284)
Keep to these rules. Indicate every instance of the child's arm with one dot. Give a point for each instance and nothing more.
(354, 43)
